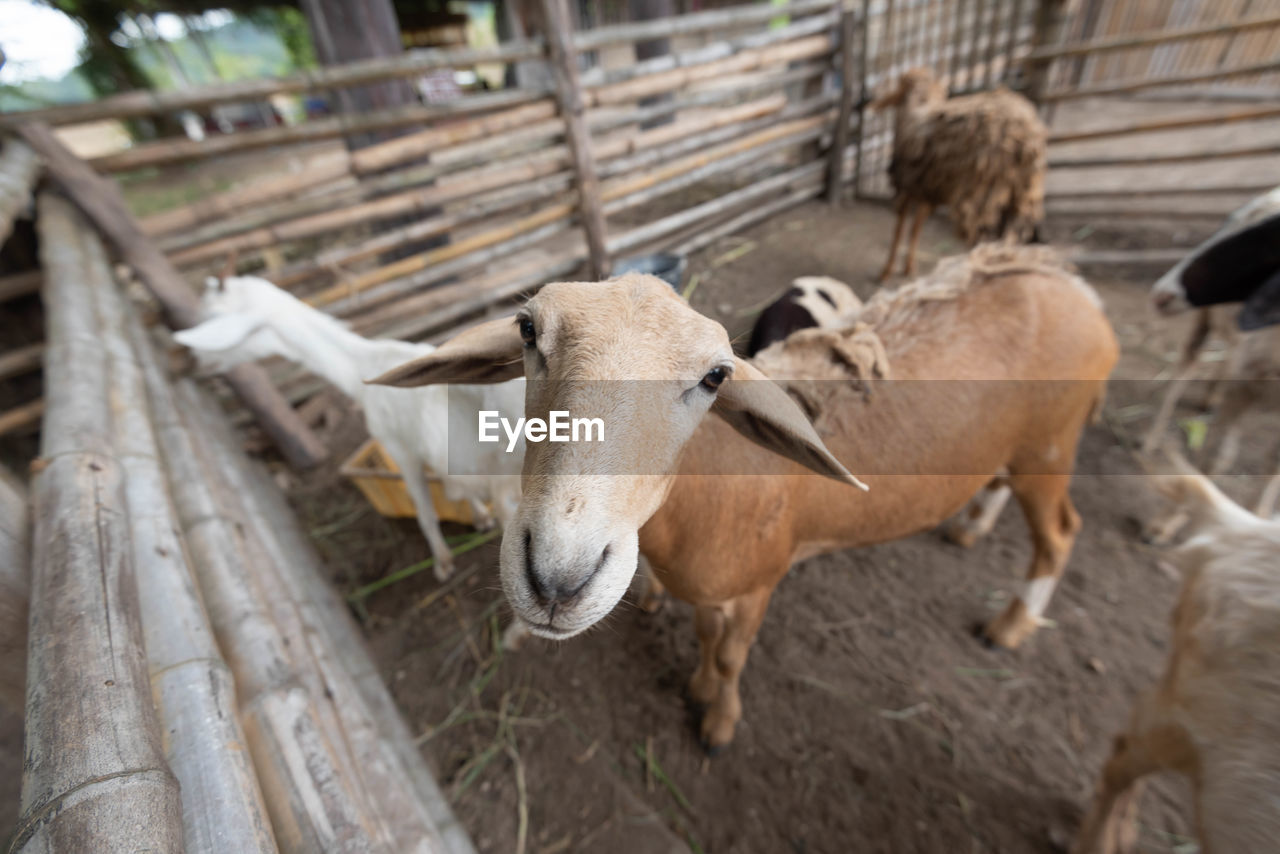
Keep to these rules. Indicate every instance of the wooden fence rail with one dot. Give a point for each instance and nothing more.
(361, 72)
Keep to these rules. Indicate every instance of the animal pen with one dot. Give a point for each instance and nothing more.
(191, 682)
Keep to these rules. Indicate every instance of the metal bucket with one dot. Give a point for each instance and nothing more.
(664, 265)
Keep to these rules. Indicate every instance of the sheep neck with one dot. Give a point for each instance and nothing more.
(343, 358)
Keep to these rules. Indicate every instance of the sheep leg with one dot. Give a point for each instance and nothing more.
(1110, 827)
(903, 204)
(1237, 399)
(1174, 393)
(1053, 522)
(922, 213)
(980, 515)
(743, 617)
(480, 515)
(1151, 743)
(655, 594)
(415, 480)
(709, 622)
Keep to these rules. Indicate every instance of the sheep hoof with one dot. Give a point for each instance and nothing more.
(961, 535)
(979, 631)
(443, 568)
(712, 750)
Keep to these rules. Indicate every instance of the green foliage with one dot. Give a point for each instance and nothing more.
(290, 27)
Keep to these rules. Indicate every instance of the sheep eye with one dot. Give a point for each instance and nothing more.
(527, 332)
(714, 378)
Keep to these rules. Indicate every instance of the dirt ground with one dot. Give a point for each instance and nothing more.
(873, 721)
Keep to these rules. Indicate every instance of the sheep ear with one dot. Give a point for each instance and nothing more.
(218, 333)
(760, 410)
(1262, 308)
(489, 353)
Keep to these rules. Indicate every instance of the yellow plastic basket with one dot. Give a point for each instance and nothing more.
(374, 474)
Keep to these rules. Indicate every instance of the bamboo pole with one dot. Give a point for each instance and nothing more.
(22, 418)
(564, 67)
(399, 779)
(257, 231)
(1124, 87)
(1132, 213)
(19, 168)
(22, 360)
(668, 225)
(151, 102)
(709, 54)
(1124, 257)
(414, 146)
(20, 284)
(94, 775)
(15, 590)
(1148, 192)
(1127, 42)
(456, 266)
(678, 78)
(703, 131)
(1155, 159)
(360, 283)
(1050, 22)
(191, 684)
(732, 89)
(458, 186)
(617, 195)
(864, 92)
(305, 778)
(637, 190)
(478, 207)
(1244, 115)
(835, 161)
(315, 171)
(101, 201)
(394, 819)
(168, 151)
(753, 215)
(443, 306)
(696, 22)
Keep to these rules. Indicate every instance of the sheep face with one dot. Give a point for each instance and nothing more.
(632, 354)
(1241, 263)
(238, 313)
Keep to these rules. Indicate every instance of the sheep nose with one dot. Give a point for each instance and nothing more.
(556, 591)
(1164, 300)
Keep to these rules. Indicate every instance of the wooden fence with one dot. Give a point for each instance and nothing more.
(488, 196)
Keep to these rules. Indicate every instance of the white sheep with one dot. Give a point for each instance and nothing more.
(1213, 715)
(249, 318)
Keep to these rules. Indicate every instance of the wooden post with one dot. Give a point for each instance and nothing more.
(564, 65)
(15, 587)
(864, 96)
(840, 140)
(101, 202)
(95, 776)
(1051, 16)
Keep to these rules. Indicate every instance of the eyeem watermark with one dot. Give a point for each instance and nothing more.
(561, 428)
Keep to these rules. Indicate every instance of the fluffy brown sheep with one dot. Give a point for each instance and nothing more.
(983, 156)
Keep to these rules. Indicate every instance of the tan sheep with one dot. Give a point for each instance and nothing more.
(983, 156)
(723, 506)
